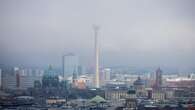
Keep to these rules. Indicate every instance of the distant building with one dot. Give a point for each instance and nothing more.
(139, 85)
(104, 76)
(87, 79)
(20, 78)
(184, 93)
(131, 93)
(158, 80)
(180, 82)
(80, 70)
(107, 72)
(50, 78)
(27, 80)
(115, 92)
(169, 94)
(74, 79)
(82, 82)
(158, 95)
(9, 80)
(50, 71)
(130, 104)
(55, 101)
(149, 93)
(70, 64)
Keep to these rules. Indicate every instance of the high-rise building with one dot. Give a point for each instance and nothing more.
(80, 70)
(9, 80)
(70, 64)
(158, 82)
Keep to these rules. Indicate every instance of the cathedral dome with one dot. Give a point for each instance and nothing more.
(138, 82)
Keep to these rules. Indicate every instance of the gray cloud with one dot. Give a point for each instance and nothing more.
(133, 32)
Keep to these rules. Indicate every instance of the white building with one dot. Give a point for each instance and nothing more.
(107, 72)
(88, 79)
(104, 76)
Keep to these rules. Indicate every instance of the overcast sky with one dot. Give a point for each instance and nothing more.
(140, 33)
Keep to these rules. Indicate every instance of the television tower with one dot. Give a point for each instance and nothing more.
(97, 79)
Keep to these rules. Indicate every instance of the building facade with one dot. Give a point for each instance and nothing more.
(104, 76)
(70, 64)
(139, 85)
(20, 78)
(116, 92)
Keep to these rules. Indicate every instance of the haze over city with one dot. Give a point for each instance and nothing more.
(97, 54)
(132, 33)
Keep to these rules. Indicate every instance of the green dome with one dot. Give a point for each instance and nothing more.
(97, 99)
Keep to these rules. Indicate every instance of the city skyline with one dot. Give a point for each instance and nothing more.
(97, 54)
(133, 33)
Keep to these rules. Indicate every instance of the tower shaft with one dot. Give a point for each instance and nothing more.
(97, 80)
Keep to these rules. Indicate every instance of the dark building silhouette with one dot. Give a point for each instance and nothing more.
(158, 82)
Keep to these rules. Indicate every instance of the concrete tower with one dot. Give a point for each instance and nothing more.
(97, 79)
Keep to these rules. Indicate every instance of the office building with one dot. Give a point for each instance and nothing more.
(158, 80)
(20, 78)
(80, 70)
(9, 80)
(27, 78)
(70, 64)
